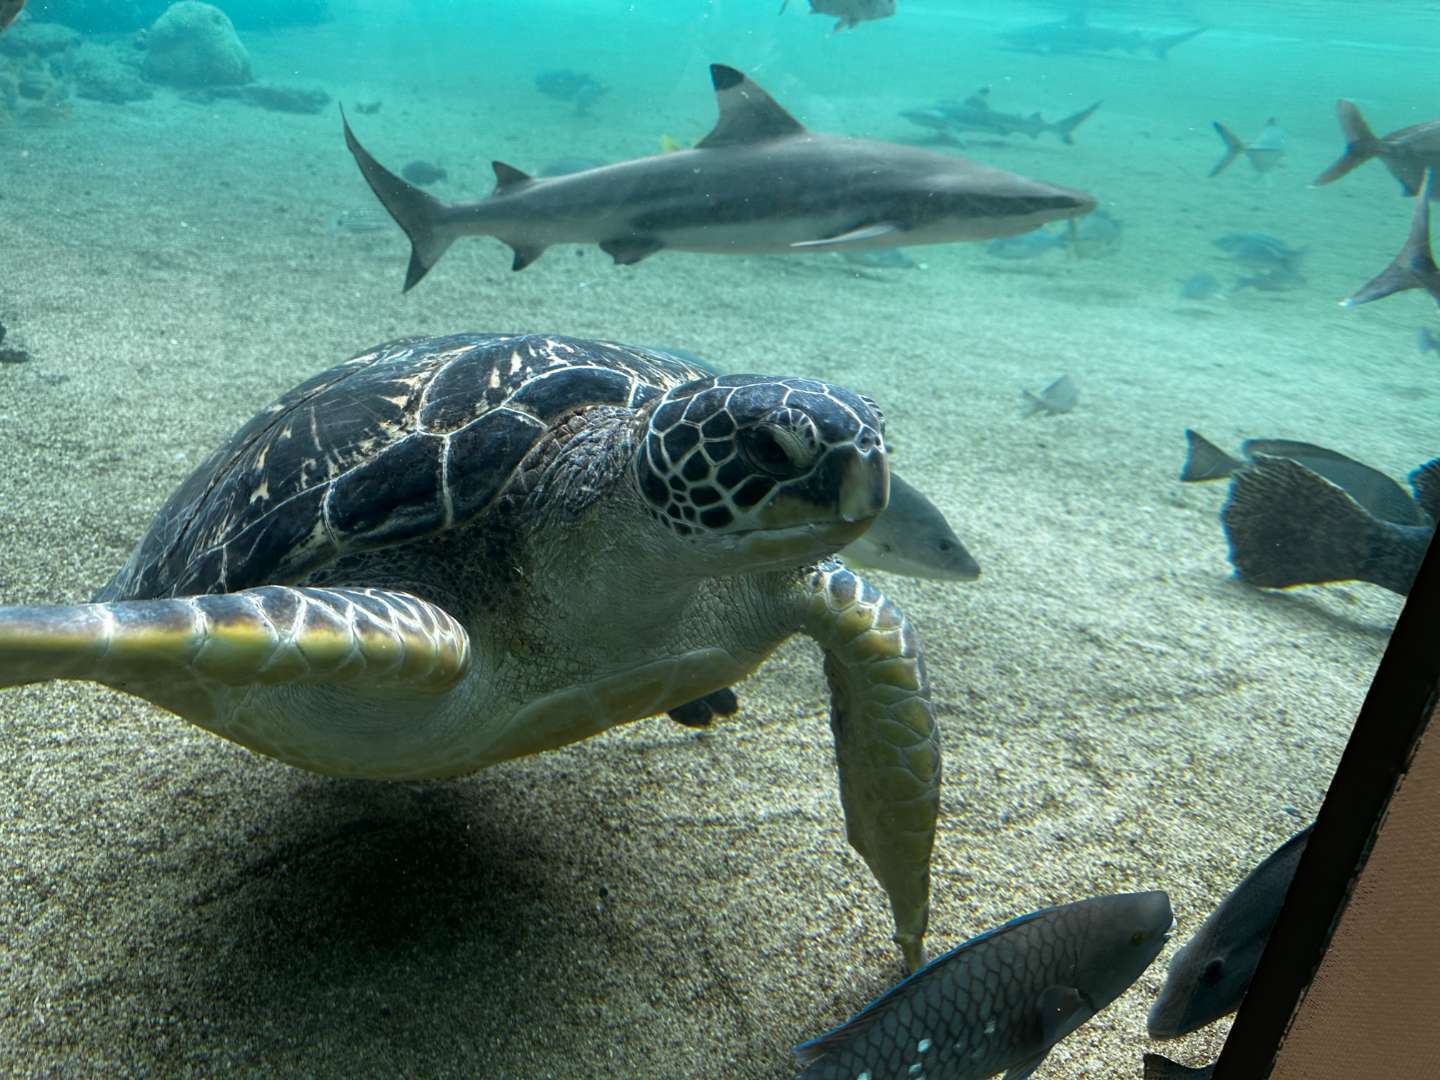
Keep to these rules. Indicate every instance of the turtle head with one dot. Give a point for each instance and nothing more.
(761, 471)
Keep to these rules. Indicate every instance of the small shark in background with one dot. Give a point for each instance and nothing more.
(1407, 153)
(849, 13)
(758, 183)
(1210, 973)
(1414, 267)
(579, 87)
(1076, 35)
(1263, 152)
(975, 114)
(9, 12)
(1002, 1000)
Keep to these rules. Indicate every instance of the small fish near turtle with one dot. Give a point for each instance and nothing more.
(849, 13)
(1001, 1001)
(377, 576)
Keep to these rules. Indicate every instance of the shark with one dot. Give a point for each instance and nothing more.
(759, 183)
(975, 114)
(1076, 34)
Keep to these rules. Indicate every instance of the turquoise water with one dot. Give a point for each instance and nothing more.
(1117, 710)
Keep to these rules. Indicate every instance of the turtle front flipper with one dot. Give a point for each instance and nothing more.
(178, 653)
(886, 743)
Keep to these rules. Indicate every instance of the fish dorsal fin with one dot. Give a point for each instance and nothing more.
(508, 178)
(747, 113)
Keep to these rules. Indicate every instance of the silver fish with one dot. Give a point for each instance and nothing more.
(1407, 153)
(1000, 1001)
(849, 13)
(759, 183)
(1057, 398)
(1208, 976)
(912, 537)
(1414, 267)
(1263, 152)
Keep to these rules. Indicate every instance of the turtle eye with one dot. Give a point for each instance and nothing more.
(784, 444)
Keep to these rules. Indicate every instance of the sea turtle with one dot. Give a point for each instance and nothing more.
(450, 552)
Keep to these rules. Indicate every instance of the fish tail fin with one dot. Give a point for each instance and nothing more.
(1290, 526)
(1161, 46)
(1065, 128)
(425, 219)
(1361, 144)
(1414, 267)
(1233, 149)
(1425, 482)
(1206, 461)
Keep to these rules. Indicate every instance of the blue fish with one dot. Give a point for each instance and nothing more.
(999, 1002)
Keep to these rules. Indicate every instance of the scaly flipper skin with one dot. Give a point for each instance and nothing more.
(175, 653)
(886, 742)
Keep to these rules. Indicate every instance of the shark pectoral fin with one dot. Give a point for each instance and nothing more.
(854, 236)
(628, 250)
(508, 178)
(525, 254)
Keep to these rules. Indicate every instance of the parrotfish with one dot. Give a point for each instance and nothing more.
(999, 1002)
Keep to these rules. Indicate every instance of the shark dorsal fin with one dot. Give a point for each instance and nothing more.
(747, 113)
(508, 178)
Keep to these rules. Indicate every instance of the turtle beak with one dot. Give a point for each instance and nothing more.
(864, 484)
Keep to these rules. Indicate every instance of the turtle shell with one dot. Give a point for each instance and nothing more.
(402, 442)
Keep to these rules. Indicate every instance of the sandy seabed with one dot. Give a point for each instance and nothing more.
(1117, 712)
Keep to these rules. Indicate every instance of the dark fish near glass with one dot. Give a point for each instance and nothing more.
(1000, 1001)
(1159, 1067)
(1407, 153)
(849, 13)
(578, 87)
(912, 537)
(9, 12)
(1287, 525)
(1209, 975)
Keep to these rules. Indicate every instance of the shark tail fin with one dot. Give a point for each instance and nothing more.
(1289, 526)
(1361, 144)
(1066, 128)
(1233, 149)
(425, 219)
(1414, 267)
(1206, 461)
(1161, 46)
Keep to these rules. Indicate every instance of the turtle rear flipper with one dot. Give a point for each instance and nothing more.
(886, 744)
(1290, 526)
(177, 653)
